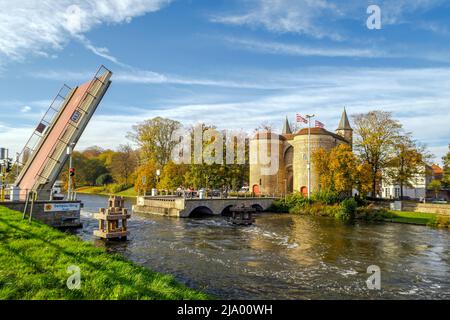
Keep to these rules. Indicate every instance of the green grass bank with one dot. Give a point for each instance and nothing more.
(129, 192)
(34, 259)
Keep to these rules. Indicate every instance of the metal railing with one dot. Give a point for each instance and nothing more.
(42, 129)
(41, 195)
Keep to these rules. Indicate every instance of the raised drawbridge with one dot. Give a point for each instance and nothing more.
(44, 154)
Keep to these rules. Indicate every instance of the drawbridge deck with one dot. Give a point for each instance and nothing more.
(44, 155)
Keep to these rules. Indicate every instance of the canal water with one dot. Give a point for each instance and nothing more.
(286, 256)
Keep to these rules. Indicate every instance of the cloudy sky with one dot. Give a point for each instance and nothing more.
(233, 63)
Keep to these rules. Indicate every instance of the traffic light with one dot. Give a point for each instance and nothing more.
(8, 166)
(72, 172)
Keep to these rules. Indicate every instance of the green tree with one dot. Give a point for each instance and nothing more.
(172, 176)
(406, 163)
(154, 138)
(106, 157)
(230, 173)
(446, 160)
(376, 133)
(92, 169)
(104, 179)
(436, 186)
(123, 164)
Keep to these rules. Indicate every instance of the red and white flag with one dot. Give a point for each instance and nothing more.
(319, 124)
(301, 119)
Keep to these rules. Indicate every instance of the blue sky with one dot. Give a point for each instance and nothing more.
(233, 63)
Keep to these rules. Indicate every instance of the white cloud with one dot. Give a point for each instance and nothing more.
(297, 16)
(99, 51)
(25, 109)
(36, 27)
(419, 98)
(396, 12)
(14, 138)
(319, 18)
(302, 50)
(150, 77)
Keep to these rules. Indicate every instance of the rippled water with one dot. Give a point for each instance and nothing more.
(286, 256)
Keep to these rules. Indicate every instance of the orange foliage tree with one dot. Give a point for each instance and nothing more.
(340, 170)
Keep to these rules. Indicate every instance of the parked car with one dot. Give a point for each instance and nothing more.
(439, 201)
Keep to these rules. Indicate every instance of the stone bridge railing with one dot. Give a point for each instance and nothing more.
(181, 207)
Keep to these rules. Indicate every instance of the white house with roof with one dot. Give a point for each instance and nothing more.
(415, 189)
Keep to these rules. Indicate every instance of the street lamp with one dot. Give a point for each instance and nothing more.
(4, 165)
(71, 170)
(309, 117)
(158, 173)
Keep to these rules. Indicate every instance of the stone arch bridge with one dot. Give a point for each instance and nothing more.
(183, 208)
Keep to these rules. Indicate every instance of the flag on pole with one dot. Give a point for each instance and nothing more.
(319, 124)
(301, 119)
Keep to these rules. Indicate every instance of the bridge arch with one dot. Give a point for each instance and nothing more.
(258, 207)
(200, 211)
(226, 211)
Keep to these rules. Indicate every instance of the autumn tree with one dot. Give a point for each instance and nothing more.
(172, 176)
(407, 162)
(92, 152)
(320, 159)
(343, 163)
(340, 170)
(123, 164)
(106, 157)
(376, 133)
(446, 178)
(363, 181)
(154, 138)
(220, 163)
(145, 176)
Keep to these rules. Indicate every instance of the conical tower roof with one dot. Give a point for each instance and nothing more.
(286, 127)
(344, 124)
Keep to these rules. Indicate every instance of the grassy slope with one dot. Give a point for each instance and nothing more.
(100, 190)
(34, 258)
(128, 193)
(411, 217)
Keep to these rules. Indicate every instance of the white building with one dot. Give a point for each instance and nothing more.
(416, 189)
